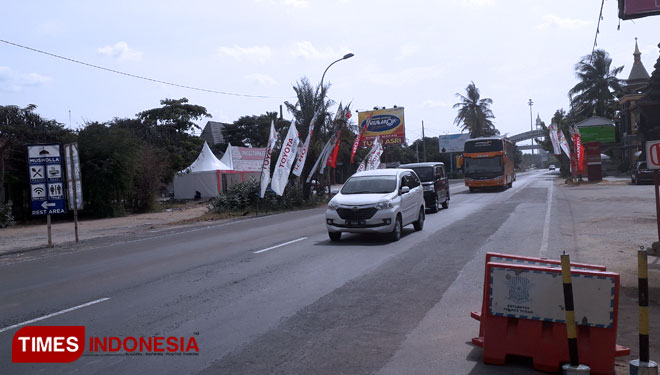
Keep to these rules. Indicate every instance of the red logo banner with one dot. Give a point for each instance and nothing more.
(48, 344)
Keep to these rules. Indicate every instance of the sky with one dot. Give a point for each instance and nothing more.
(415, 54)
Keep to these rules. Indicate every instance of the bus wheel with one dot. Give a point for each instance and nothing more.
(472, 189)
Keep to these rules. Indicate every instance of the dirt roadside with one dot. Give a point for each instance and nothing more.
(23, 237)
(610, 221)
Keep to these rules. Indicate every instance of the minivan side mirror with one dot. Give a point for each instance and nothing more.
(334, 191)
(405, 189)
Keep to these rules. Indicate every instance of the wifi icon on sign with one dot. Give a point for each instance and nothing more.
(39, 190)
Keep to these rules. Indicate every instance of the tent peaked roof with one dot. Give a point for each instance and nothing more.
(206, 161)
(228, 158)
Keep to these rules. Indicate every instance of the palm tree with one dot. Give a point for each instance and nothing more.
(474, 114)
(309, 102)
(594, 93)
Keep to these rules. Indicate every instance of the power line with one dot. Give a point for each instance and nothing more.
(600, 17)
(141, 77)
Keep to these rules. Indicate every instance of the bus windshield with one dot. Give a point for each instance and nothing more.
(483, 165)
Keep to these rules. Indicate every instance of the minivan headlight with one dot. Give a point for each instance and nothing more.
(332, 205)
(384, 204)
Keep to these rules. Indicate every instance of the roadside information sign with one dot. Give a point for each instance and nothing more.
(653, 162)
(653, 154)
(47, 188)
(73, 179)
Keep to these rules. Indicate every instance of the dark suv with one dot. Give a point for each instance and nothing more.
(641, 174)
(434, 180)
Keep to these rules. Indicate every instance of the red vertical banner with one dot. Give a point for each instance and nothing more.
(332, 159)
(358, 138)
(579, 150)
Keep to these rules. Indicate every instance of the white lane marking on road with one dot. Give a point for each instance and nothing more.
(53, 314)
(280, 245)
(546, 224)
(146, 239)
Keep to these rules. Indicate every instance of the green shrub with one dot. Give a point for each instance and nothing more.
(245, 196)
(6, 217)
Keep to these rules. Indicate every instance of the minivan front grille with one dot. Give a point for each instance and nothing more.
(356, 213)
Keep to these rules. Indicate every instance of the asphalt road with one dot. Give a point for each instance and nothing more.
(272, 295)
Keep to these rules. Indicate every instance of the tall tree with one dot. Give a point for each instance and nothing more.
(252, 130)
(18, 128)
(168, 129)
(109, 156)
(175, 114)
(474, 113)
(310, 101)
(595, 93)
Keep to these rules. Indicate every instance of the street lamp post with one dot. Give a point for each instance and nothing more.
(531, 103)
(346, 56)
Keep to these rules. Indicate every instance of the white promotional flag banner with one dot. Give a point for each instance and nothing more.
(373, 158)
(285, 161)
(563, 143)
(331, 146)
(318, 161)
(362, 166)
(265, 168)
(302, 155)
(554, 139)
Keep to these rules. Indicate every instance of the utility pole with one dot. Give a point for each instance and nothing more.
(417, 150)
(423, 141)
(531, 103)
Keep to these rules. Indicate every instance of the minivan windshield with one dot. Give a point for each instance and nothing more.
(369, 185)
(425, 173)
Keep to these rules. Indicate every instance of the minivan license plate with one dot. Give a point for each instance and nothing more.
(355, 222)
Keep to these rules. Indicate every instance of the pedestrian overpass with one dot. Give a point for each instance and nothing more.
(525, 136)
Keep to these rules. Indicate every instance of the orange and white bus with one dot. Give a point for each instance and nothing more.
(488, 162)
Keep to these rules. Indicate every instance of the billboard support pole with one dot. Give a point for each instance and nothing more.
(50, 238)
(451, 163)
(75, 193)
(656, 173)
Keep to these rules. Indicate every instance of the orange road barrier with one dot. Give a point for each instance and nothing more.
(523, 314)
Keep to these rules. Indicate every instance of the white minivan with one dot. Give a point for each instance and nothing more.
(377, 201)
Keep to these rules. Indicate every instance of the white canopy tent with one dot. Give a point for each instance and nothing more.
(211, 177)
(202, 175)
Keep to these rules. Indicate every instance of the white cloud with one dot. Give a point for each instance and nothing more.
(297, 3)
(52, 28)
(406, 76)
(307, 50)
(259, 53)
(407, 50)
(261, 78)
(430, 103)
(550, 21)
(11, 81)
(478, 3)
(121, 51)
(289, 3)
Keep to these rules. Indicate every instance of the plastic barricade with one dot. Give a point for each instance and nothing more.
(517, 259)
(524, 316)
